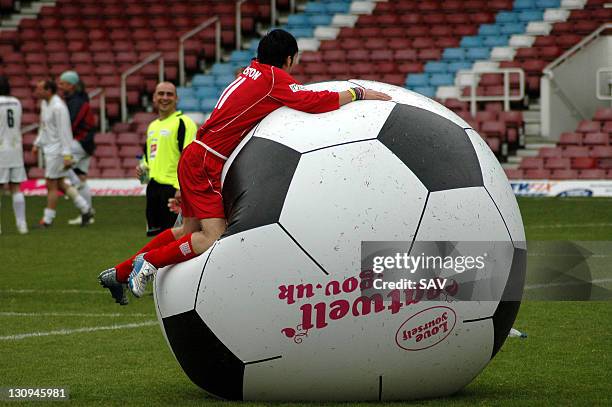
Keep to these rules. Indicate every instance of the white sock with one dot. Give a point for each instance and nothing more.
(78, 200)
(19, 208)
(75, 181)
(49, 215)
(85, 192)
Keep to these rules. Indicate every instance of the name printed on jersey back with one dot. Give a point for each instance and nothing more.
(252, 73)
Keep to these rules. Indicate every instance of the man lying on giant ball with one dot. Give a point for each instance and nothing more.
(263, 87)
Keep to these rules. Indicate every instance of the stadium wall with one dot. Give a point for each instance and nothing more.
(574, 79)
(531, 188)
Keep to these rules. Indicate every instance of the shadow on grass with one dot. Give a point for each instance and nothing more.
(480, 394)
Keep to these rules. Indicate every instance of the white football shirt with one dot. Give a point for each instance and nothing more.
(11, 148)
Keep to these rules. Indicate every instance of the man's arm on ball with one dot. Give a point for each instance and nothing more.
(355, 94)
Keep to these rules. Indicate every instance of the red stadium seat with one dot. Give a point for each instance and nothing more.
(536, 174)
(108, 162)
(113, 173)
(512, 118)
(603, 114)
(601, 152)
(529, 163)
(128, 139)
(592, 174)
(550, 152)
(130, 151)
(596, 138)
(564, 174)
(583, 163)
(576, 151)
(129, 163)
(337, 55)
(106, 151)
(493, 129)
(494, 144)
(557, 163)
(588, 126)
(381, 55)
(570, 139)
(405, 55)
(105, 139)
(514, 173)
(485, 116)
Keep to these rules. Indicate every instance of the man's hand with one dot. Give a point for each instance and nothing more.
(366, 94)
(138, 171)
(34, 151)
(174, 204)
(370, 94)
(68, 161)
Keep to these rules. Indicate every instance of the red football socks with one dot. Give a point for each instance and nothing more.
(125, 268)
(176, 252)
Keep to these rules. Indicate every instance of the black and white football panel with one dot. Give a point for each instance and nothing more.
(343, 195)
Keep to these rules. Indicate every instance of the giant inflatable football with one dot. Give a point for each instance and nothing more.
(282, 308)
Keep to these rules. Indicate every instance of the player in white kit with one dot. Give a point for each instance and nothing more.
(12, 171)
(55, 139)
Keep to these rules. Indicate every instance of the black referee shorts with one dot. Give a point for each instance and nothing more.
(159, 217)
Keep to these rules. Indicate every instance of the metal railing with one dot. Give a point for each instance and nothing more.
(273, 18)
(239, 24)
(547, 72)
(506, 97)
(191, 33)
(273, 13)
(94, 93)
(567, 54)
(598, 83)
(135, 68)
(101, 93)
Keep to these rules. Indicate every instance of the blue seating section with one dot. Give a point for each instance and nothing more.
(316, 13)
(478, 47)
(206, 89)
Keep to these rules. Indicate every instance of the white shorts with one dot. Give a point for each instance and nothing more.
(14, 175)
(54, 167)
(80, 157)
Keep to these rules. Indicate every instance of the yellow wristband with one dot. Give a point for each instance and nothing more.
(353, 94)
(68, 157)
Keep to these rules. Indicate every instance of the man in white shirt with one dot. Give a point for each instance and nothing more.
(55, 139)
(12, 171)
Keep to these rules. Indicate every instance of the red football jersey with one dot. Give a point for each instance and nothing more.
(257, 92)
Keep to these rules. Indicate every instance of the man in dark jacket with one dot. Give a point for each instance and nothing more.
(83, 130)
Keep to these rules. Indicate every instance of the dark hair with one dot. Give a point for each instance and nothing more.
(49, 84)
(275, 47)
(5, 87)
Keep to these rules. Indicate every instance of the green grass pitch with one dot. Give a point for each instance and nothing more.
(48, 283)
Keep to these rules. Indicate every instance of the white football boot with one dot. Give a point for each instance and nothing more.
(142, 273)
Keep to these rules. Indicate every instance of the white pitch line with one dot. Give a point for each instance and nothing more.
(567, 283)
(34, 291)
(78, 330)
(570, 225)
(69, 314)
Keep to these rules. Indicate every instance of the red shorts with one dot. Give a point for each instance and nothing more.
(199, 175)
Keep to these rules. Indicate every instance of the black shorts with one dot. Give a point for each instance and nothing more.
(159, 217)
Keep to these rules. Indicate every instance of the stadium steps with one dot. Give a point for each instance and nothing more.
(499, 42)
(29, 9)
(315, 21)
(585, 153)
